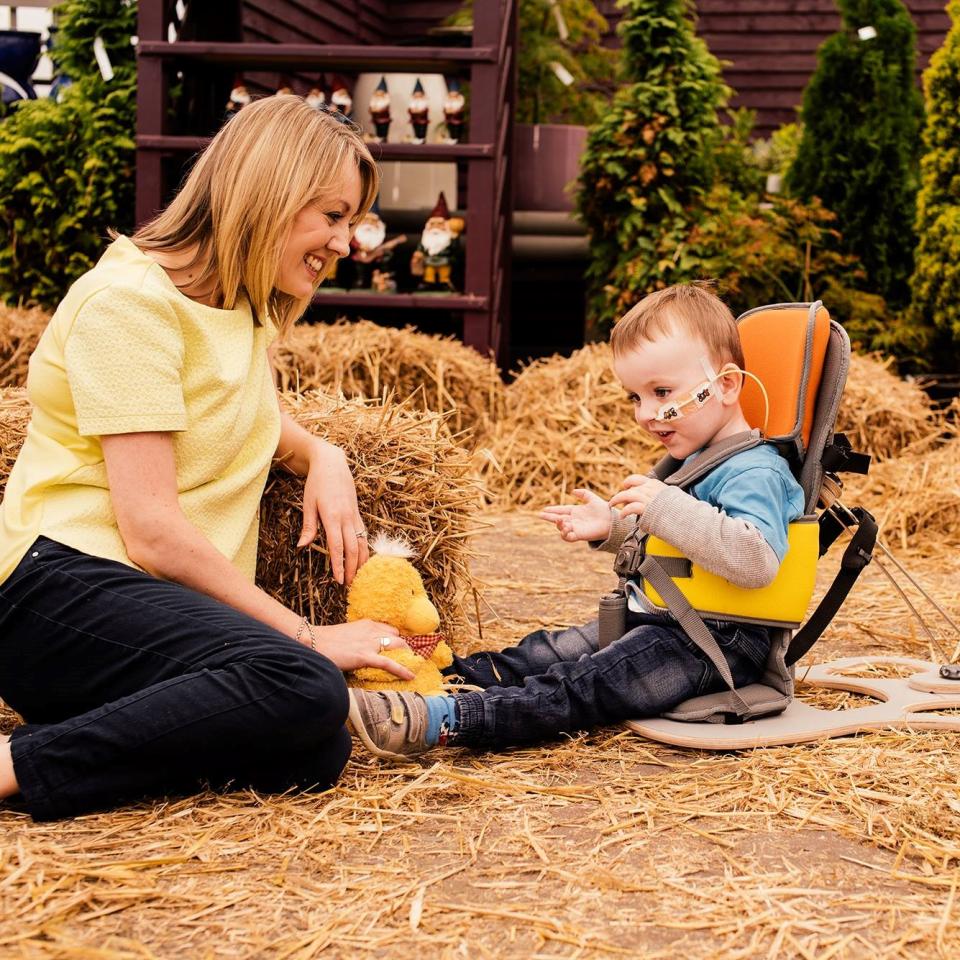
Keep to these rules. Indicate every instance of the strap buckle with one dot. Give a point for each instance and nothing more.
(629, 557)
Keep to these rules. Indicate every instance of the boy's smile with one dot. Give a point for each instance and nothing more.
(656, 372)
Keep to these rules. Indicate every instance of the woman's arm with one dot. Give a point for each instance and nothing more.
(329, 496)
(158, 537)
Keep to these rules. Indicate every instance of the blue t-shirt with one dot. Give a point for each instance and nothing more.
(757, 486)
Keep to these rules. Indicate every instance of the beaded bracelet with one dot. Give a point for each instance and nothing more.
(304, 622)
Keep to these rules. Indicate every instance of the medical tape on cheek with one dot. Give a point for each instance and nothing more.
(697, 397)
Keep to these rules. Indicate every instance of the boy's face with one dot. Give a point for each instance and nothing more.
(656, 372)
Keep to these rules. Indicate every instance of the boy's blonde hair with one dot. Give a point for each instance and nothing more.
(691, 306)
(239, 201)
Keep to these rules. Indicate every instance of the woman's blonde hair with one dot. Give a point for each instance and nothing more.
(238, 203)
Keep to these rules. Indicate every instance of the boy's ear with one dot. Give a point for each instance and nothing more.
(730, 381)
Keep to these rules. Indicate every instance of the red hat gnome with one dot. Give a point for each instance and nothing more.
(439, 248)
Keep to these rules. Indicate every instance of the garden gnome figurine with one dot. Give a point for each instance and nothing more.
(341, 99)
(380, 111)
(372, 253)
(439, 248)
(284, 87)
(453, 106)
(239, 97)
(316, 98)
(419, 110)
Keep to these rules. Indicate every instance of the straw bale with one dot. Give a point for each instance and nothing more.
(20, 329)
(14, 417)
(915, 498)
(882, 414)
(413, 480)
(568, 424)
(362, 359)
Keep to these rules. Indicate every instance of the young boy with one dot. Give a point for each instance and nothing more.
(677, 354)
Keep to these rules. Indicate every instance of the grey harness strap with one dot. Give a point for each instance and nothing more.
(690, 620)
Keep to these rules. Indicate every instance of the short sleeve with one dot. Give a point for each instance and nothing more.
(124, 358)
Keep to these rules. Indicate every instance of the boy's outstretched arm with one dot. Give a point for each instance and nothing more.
(587, 520)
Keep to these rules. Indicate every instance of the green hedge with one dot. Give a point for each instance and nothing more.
(861, 117)
(67, 169)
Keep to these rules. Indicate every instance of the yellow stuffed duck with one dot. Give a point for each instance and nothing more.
(388, 588)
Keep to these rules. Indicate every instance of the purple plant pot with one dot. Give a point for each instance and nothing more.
(546, 160)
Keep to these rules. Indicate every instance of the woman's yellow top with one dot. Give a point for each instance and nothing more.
(127, 352)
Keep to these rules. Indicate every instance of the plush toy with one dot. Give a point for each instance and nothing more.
(388, 588)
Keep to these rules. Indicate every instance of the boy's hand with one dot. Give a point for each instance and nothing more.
(587, 520)
(636, 494)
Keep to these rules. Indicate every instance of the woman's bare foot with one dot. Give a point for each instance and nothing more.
(8, 781)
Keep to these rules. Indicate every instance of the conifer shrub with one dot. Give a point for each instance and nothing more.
(651, 159)
(861, 118)
(936, 279)
(67, 169)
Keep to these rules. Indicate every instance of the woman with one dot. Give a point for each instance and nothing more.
(132, 637)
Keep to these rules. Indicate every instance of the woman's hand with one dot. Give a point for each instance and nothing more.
(354, 645)
(636, 494)
(330, 496)
(588, 520)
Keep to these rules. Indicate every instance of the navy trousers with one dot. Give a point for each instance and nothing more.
(559, 681)
(135, 687)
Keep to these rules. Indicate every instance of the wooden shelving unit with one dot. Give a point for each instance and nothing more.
(490, 66)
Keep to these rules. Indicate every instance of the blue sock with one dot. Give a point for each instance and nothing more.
(442, 720)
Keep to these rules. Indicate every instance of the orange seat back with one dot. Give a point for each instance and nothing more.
(784, 345)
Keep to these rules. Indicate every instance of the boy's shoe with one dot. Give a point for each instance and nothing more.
(390, 723)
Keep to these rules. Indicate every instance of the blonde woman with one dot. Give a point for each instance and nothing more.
(132, 637)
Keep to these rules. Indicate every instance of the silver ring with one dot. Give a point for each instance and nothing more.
(362, 534)
(385, 642)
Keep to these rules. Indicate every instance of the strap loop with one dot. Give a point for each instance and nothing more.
(840, 457)
(692, 624)
(858, 554)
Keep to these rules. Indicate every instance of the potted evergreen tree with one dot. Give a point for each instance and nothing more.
(650, 160)
(564, 78)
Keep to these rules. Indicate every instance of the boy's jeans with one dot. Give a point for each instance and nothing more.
(559, 682)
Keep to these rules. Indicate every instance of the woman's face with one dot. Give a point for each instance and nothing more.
(320, 232)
